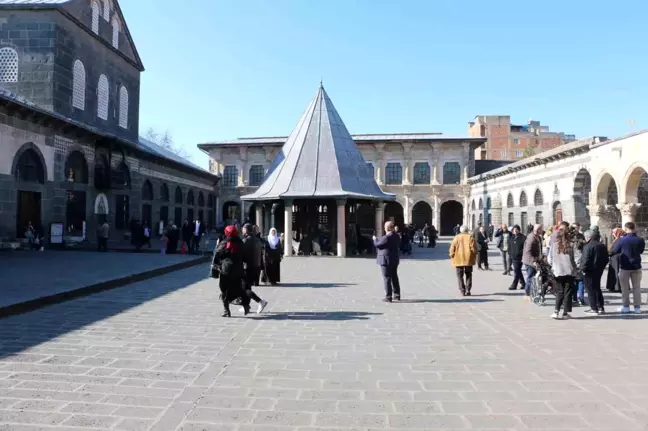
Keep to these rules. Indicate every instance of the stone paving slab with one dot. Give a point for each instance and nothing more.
(28, 276)
(327, 355)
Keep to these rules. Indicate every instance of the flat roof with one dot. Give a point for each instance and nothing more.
(369, 137)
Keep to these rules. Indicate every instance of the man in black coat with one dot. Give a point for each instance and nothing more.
(515, 251)
(387, 257)
(252, 263)
(503, 237)
(593, 261)
(482, 243)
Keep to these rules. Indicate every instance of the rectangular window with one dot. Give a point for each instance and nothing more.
(177, 216)
(524, 221)
(516, 141)
(538, 217)
(256, 175)
(504, 154)
(76, 212)
(451, 173)
(122, 211)
(393, 174)
(230, 176)
(421, 173)
(518, 153)
(511, 219)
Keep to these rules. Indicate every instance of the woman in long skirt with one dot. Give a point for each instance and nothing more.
(227, 266)
(612, 282)
(272, 259)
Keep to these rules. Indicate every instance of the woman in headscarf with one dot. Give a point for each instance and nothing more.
(612, 282)
(227, 266)
(272, 258)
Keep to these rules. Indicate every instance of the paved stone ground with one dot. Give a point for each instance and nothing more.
(29, 275)
(327, 356)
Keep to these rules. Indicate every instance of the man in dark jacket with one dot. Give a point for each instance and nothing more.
(481, 236)
(503, 238)
(593, 262)
(387, 248)
(515, 251)
(252, 262)
(630, 248)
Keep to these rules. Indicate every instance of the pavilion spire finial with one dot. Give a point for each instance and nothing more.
(321, 83)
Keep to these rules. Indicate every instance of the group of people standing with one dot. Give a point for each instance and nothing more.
(574, 260)
(241, 263)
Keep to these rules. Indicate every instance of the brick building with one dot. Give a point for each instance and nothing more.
(506, 141)
(69, 126)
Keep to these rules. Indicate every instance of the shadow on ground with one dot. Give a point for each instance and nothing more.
(315, 285)
(447, 300)
(20, 332)
(318, 315)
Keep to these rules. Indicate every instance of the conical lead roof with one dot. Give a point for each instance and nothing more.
(319, 160)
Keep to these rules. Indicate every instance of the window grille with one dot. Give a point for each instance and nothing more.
(509, 201)
(95, 17)
(102, 98)
(106, 10)
(8, 65)
(451, 173)
(421, 173)
(230, 176)
(115, 33)
(256, 175)
(523, 199)
(123, 107)
(537, 198)
(393, 173)
(78, 85)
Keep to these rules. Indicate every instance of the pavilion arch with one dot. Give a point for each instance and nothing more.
(37, 154)
(607, 191)
(631, 181)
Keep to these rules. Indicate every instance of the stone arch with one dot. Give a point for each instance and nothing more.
(558, 213)
(190, 198)
(421, 214)
(178, 198)
(232, 211)
(164, 192)
(30, 146)
(606, 189)
(538, 199)
(451, 215)
(76, 168)
(581, 192)
(631, 182)
(147, 191)
(101, 206)
(481, 204)
(394, 212)
(472, 205)
(635, 191)
(510, 203)
(523, 199)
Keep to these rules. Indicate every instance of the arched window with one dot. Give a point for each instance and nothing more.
(509, 201)
(123, 107)
(123, 176)
(190, 198)
(8, 65)
(472, 205)
(523, 199)
(537, 198)
(29, 168)
(78, 85)
(102, 98)
(481, 204)
(95, 16)
(115, 33)
(210, 200)
(147, 191)
(76, 168)
(201, 199)
(164, 193)
(106, 10)
(488, 203)
(178, 196)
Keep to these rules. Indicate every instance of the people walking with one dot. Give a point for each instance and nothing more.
(252, 262)
(198, 229)
(482, 245)
(387, 249)
(531, 257)
(104, 231)
(515, 252)
(563, 266)
(463, 253)
(503, 240)
(227, 266)
(593, 262)
(272, 259)
(630, 248)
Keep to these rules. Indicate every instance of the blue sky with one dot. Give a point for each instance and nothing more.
(224, 69)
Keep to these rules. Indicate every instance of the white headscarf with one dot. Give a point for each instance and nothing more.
(273, 239)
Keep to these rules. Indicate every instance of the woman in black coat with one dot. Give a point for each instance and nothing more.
(227, 266)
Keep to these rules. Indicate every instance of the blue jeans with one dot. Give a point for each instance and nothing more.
(530, 273)
(580, 295)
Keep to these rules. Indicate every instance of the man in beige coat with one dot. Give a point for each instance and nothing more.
(463, 252)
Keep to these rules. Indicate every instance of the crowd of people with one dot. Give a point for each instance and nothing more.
(241, 262)
(570, 263)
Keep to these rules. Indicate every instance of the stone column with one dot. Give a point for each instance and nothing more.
(380, 165)
(380, 218)
(465, 163)
(407, 216)
(341, 228)
(244, 211)
(595, 212)
(466, 211)
(435, 171)
(436, 212)
(273, 211)
(628, 212)
(258, 213)
(219, 211)
(408, 172)
(288, 235)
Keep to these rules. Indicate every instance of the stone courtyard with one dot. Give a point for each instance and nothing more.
(326, 355)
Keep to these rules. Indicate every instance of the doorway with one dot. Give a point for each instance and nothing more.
(29, 210)
(451, 216)
(147, 215)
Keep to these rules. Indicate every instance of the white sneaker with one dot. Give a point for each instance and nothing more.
(637, 310)
(261, 306)
(241, 310)
(555, 316)
(623, 310)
